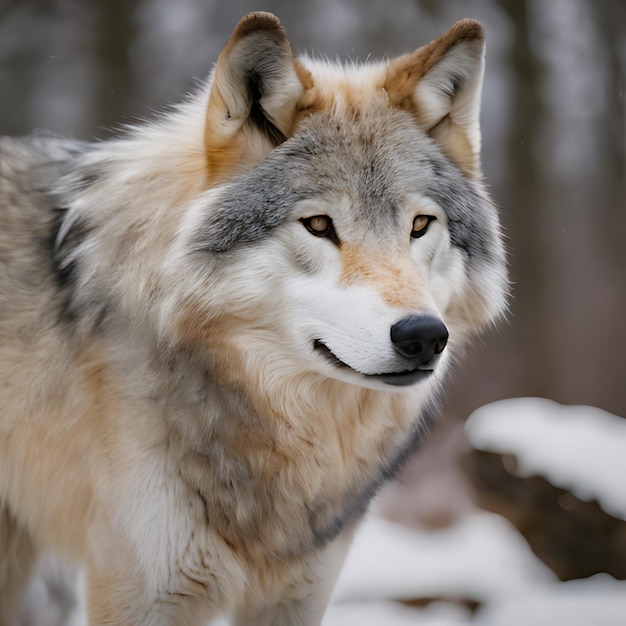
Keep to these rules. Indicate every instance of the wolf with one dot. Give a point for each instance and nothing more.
(222, 331)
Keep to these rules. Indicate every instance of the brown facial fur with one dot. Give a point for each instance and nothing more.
(404, 72)
(394, 277)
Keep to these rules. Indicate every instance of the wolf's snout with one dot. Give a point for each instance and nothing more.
(419, 338)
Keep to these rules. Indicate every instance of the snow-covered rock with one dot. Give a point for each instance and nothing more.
(578, 448)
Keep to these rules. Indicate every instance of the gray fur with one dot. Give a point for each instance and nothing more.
(369, 160)
(34, 171)
(254, 205)
(467, 207)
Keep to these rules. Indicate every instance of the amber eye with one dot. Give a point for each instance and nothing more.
(321, 226)
(318, 224)
(420, 225)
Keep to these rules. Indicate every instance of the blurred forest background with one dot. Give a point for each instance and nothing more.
(553, 142)
(554, 137)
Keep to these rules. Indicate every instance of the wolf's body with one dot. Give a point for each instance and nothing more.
(203, 380)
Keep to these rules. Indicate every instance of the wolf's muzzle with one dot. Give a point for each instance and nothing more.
(419, 338)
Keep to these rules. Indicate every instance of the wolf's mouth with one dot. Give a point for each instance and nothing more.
(399, 379)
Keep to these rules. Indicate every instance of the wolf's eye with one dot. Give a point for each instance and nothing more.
(318, 224)
(420, 225)
(321, 226)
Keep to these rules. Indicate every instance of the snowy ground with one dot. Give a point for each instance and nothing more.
(484, 559)
(480, 570)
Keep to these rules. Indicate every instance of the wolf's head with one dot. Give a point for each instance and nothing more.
(347, 230)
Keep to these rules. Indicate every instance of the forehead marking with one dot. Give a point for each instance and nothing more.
(396, 279)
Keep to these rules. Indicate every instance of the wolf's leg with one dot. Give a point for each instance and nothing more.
(306, 604)
(117, 599)
(17, 556)
(116, 590)
(121, 591)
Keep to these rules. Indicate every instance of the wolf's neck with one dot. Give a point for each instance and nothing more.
(288, 448)
(283, 445)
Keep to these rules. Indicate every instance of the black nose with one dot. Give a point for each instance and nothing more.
(419, 337)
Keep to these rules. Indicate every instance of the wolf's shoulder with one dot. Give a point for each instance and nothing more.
(30, 170)
(30, 212)
(36, 158)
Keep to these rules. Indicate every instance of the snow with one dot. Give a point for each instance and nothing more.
(578, 448)
(393, 614)
(481, 557)
(596, 601)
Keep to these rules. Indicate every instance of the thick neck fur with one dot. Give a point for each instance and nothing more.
(264, 447)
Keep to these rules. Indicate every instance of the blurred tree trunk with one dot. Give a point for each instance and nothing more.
(610, 24)
(609, 211)
(115, 32)
(523, 208)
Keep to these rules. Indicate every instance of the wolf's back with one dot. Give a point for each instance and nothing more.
(29, 220)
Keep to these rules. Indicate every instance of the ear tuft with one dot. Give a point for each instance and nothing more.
(253, 96)
(442, 81)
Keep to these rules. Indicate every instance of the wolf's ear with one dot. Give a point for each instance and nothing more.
(253, 96)
(441, 83)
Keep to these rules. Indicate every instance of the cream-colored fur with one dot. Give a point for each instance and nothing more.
(164, 425)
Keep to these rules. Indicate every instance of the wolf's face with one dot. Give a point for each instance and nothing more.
(352, 244)
(363, 245)
(369, 251)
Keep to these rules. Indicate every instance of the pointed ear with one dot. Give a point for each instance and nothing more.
(253, 96)
(441, 83)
